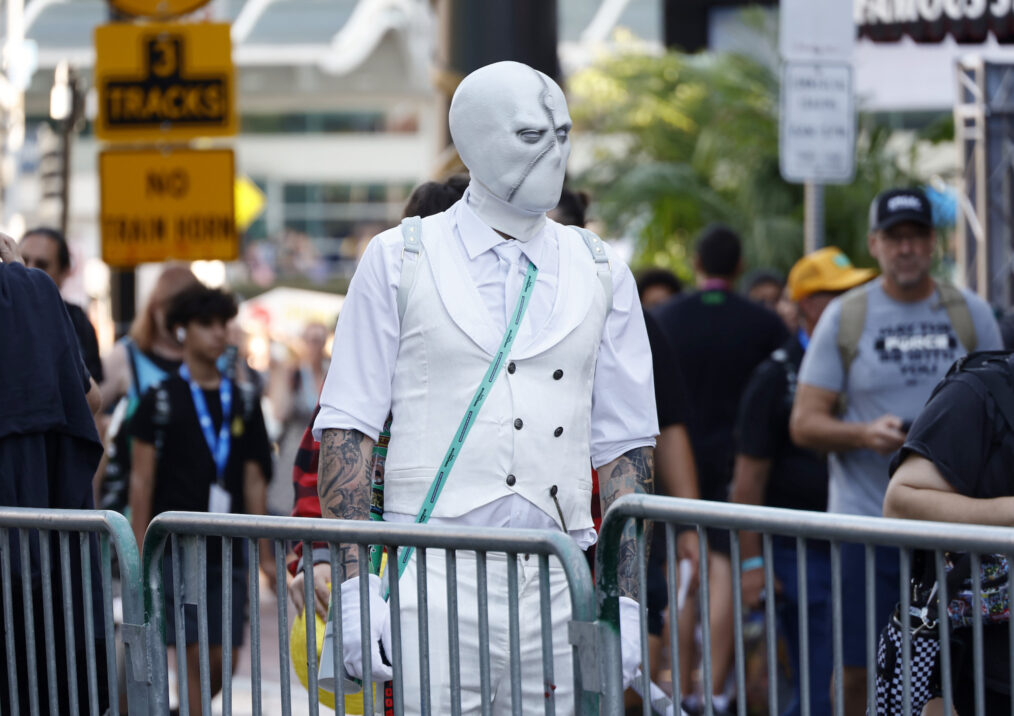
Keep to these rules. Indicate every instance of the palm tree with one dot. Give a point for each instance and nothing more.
(685, 140)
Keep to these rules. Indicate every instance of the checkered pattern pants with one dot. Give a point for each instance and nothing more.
(890, 672)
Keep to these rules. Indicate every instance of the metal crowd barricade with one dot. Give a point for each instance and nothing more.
(35, 531)
(189, 534)
(907, 535)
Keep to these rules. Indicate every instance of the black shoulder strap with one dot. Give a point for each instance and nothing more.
(132, 357)
(249, 397)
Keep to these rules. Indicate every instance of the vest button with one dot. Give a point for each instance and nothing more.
(557, 374)
(511, 480)
(558, 432)
(511, 367)
(518, 424)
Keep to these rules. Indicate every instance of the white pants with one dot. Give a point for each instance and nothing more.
(533, 684)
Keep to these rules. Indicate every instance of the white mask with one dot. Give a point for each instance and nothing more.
(511, 127)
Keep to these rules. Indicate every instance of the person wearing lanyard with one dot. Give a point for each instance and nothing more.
(770, 470)
(574, 389)
(200, 445)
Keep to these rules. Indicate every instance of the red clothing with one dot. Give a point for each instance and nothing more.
(304, 480)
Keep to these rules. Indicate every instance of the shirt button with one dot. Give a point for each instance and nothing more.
(557, 374)
(558, 432)
(511, 480)
(511, 367)
(518, 424)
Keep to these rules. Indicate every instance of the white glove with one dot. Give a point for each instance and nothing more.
(352, 643)
(630, 640)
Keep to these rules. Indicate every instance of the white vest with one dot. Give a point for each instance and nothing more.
(534, 431)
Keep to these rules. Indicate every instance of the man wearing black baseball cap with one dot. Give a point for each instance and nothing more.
(894, 206)
(873, 360)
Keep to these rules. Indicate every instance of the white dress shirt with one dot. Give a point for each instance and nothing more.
(357, 390)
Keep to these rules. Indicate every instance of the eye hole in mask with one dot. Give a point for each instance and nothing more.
(562, 133)
(531, 136)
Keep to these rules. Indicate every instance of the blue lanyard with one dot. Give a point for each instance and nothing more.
(219, 447)
(804, 340)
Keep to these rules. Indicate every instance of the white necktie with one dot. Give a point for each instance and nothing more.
(510, 260)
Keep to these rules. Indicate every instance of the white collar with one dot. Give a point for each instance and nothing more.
(479, 236)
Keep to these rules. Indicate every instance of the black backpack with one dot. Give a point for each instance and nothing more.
(993, 370)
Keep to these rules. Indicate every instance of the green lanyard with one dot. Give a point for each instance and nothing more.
(483, 391)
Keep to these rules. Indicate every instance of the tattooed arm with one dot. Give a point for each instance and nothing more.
(343, 485)
(632, 472)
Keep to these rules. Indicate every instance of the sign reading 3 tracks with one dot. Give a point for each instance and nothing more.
(158, 205)
(164, 82)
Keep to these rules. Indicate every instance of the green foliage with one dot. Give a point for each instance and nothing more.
(686, 140)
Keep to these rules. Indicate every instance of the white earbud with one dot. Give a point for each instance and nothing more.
(181, 333)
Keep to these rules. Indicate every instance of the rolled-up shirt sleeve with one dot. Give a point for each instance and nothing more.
(357, 390)
(623, 415)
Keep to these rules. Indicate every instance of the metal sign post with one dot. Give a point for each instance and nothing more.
(817, 120)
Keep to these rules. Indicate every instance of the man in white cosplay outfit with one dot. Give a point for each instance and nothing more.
(575, 392)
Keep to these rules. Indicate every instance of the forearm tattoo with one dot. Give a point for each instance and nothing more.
(343, 485)
(633, 472)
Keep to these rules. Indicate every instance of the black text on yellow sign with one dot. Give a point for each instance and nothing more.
(164, 82)
(157, 206)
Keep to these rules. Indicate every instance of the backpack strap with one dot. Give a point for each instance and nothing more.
(998, 385)
(960, 317)
(135, 380)
(411, 232)
(601, 259)
(850, 329)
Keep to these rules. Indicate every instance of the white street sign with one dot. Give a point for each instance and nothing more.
(816, 30)
(817, 123)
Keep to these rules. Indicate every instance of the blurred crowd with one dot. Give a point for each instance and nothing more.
(763, 394)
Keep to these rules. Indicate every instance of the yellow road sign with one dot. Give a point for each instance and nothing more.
(157, 8)
(164, 82)
(159, 205)
(249, 203)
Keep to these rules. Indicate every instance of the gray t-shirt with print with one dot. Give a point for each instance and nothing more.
(904, 351)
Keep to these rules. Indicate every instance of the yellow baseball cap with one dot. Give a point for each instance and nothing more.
(826, 269)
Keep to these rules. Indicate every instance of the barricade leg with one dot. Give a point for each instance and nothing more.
(53, 610)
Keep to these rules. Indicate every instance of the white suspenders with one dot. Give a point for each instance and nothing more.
(411, 232)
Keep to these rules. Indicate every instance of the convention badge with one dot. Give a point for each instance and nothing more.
(219, 499)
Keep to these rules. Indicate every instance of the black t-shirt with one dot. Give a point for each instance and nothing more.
(87, 340)
(798, 478)
(719, 338)
(185, 468)
(670, 392)
(963, 433)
